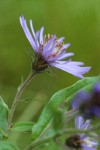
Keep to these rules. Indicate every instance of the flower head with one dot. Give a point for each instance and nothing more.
(50, 51)
(81, 141)
(88, 103)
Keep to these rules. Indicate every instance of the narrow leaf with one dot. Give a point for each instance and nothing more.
(4, 110)
(23, 126)
(56, 100)
(5, 145)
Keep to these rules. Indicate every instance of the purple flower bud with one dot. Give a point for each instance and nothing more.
(88, 104)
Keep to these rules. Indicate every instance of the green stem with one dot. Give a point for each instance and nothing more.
(17, 97)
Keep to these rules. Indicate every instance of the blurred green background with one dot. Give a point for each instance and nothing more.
(77, 20)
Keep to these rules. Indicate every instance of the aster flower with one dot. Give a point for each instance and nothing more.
(81, 141)
(50, 51)
(88, 104)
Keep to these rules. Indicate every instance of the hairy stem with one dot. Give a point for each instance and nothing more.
(20, 90)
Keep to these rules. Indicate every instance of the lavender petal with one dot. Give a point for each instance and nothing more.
(65, 56)
(32, 29)
(71, 68)
(27, 33)
(85, 147)
(41, 35)
(60, 39)
(86, 124)
(79, 120)
(48, 45)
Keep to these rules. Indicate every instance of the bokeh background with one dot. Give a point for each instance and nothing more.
(77, 20)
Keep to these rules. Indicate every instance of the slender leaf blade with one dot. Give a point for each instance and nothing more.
(5, 145)
(4, 110)
(23, 126)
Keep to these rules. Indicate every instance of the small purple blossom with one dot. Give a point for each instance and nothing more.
(80, 98)
(81, 141)
(88, 104)
(50, 51)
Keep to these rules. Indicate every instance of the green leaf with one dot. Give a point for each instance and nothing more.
(5, 145)
(23, 126)
(58, 121)
(55, 102)
(4, 110)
